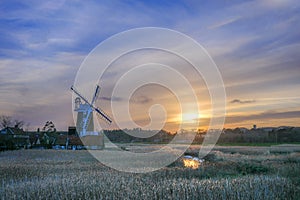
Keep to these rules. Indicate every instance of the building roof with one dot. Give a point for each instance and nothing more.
(73, 140)
(12, 130)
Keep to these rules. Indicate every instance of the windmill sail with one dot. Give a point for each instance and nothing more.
(96, 94)
(85, 111)
(103, 115)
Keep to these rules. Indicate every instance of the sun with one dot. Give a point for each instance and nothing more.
(189, 117)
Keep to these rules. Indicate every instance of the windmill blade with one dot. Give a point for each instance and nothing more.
(96, 94)
(78, 94)
(103, 115)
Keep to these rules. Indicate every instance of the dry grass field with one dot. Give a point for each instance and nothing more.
(227, 173)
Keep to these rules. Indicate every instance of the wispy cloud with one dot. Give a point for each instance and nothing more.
(264, 116)
(242, 102)
(111, 98)
(141, 99)
(224, 23)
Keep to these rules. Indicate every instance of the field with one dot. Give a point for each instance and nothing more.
(227, 173)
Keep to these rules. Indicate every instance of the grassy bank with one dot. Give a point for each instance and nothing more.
(256, 144)
(50, 174)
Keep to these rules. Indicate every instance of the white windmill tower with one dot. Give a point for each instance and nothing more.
(85, 121)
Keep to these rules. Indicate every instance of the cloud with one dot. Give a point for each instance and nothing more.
(38, 89)
(141, 99)
(118, 99)
(242, 102)
(264, 116)
(42, 45)
(224, 23)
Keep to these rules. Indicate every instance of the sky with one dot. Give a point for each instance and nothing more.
(255, 44)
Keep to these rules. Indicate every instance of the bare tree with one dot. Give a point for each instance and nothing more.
(18, 123)
(8, 121)
(5, 121)
(27, 125)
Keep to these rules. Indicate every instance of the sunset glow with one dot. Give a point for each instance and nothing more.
(43, 44)
(188, 117)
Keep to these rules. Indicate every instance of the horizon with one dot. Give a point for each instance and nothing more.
(253, 43)
(189, 130)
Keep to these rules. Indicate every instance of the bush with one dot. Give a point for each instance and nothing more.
(251, 168)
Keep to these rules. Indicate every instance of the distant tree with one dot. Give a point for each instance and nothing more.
(18, 123)
(49, 127)
(8, 121)
(201, 131)
(5, 121)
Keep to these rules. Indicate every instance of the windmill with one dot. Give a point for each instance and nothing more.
(85, 123)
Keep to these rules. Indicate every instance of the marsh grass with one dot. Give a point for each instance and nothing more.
(52, 174)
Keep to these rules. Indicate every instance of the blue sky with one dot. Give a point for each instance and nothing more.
(256, 45)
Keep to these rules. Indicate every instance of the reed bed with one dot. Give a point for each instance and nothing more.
(50, 174)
